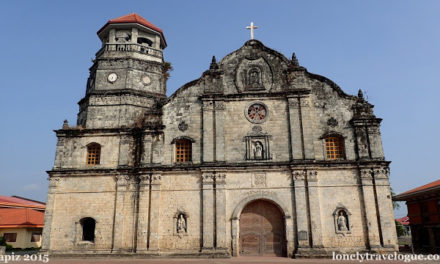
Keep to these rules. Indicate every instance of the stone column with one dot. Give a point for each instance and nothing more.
(208, 211)
(155, 212)
(235, 235)
(370, 208)
(219, 131)
(295, 129)
(307, 124)
(220, 181)
(385, 207)
(134, 35)
(128, 223)
(121, 187)
(142, 231)
(302, 217)
(315, 208)
(290, 236)
(111, 36)
(208, 131)
(375, 142)
(48, 214)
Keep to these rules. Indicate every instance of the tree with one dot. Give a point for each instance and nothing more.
(396, 205)
(167, 68)
(399, 229)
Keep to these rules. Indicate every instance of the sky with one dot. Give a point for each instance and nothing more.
(389, 49)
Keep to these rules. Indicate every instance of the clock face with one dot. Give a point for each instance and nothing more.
(146, 80)
(112, 77)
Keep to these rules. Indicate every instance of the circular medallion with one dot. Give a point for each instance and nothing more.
(256, 113)
(112, 77)
(146, 80)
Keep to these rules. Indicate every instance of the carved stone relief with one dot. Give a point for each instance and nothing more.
(253, 74)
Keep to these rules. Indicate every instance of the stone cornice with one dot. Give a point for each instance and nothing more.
(304, 165)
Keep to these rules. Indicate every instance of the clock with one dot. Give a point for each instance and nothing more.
(112, 77)
(146, 80)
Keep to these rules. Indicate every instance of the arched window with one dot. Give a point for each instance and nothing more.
(334, 147)
(183, 150)
(88, 229)
(93, 154)
(141, 40)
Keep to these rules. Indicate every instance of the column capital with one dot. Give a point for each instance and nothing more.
(299, 175)
(366, 173)
(381, 173)
(208, 178)
(312, 176)
(220, 179)
(122, 180)
(53, 181)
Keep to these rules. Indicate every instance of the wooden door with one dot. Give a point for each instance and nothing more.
(261, 230)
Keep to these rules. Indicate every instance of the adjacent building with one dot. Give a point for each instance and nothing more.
(257, 157)
(424, 216)
(21, 221)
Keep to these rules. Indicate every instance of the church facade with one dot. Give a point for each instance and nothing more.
(256, 157)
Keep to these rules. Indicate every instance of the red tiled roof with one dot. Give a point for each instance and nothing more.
(21, 217)
(20, 202)
(134, 18)
(424, 187)
(404, 220)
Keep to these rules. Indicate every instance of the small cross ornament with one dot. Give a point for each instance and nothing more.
(252, 27)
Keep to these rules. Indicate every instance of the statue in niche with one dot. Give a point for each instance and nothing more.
(258, 150)
(342, 221)
(253, 79)
(181, 224)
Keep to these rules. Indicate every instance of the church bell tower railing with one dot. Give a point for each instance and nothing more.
(132, 47)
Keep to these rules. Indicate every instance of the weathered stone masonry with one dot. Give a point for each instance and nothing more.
(256, 126)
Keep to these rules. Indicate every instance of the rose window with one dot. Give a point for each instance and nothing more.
(256, 113)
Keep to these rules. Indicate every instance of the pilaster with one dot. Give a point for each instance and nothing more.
(208, 211)
(144, 199)
(208, 131)
(385, 207)
(220, 195)
(370, 208)
(307, 125)
(220, 131)
(315, 208)
(155, 212)
(48, 214)
(121, 187)
(302, 216)
(295, 129)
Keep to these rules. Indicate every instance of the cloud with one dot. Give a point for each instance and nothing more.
(31, 187)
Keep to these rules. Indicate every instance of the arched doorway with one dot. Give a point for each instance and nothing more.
(261, 230)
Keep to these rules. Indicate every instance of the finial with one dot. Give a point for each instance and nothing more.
(360, 94)
(65, 124)
(214, 64)
(294, 60)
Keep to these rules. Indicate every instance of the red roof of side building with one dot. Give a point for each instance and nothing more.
(404, 220)
(423, 188)
(134, 18)
(21, 217)
(16, 201)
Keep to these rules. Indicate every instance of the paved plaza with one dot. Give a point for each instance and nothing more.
(239, 260)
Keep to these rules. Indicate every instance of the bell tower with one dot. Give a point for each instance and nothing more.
(127, 76)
